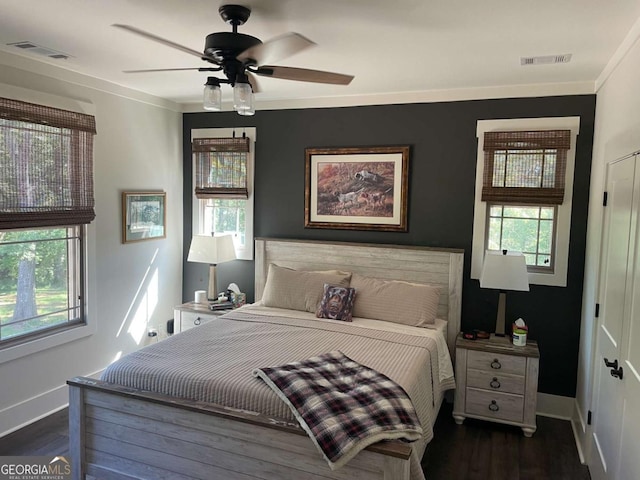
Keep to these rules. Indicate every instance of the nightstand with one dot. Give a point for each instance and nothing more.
(191, 314)
(497, 381)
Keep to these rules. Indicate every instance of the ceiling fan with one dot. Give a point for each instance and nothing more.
(241, 57)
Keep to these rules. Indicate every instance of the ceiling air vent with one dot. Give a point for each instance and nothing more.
(545, 60)
(38, 50)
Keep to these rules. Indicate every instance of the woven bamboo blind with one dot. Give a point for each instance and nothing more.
(525, 167)
(221, 167)
(46, 166)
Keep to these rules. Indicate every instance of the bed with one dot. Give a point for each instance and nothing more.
(120, 431)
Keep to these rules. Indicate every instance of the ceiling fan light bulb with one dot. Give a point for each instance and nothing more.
(242, 96)
(212, 98)
(247, 112)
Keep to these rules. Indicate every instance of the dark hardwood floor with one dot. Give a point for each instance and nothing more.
(49, 436)
(480, 450)
(473, 451)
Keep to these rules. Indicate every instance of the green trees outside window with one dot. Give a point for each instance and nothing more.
(38, 284)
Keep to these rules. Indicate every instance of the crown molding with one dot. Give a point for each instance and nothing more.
(429, 96)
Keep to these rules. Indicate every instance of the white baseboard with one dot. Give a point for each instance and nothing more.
(577, 437)
(555, 406)
(35, 408)
(579, 426)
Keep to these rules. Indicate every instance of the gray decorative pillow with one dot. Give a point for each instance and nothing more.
(336, 303)
(299, 289)
(414, 304)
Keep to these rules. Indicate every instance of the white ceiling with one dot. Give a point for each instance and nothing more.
(392, 47)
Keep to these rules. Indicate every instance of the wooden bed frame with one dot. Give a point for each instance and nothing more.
(123, 433)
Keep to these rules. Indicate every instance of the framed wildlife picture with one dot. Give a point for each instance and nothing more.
(357, 188)
(143, 216)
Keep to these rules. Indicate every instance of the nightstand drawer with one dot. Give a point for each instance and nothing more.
(497, 362)
(495, 381)
(503, 406)
(190, 319)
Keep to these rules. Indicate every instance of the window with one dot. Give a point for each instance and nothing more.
(40, 281)
(225, 216)
(46, 180)
(223, 185)
(523, 228)
(524, 180)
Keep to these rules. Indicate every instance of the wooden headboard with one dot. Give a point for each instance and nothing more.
(437, 266)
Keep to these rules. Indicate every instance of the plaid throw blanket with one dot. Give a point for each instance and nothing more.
(342, 405)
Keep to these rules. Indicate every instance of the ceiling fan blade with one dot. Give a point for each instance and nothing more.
(303, 75)
(253, 80)
(151, 70)
(276, 49)
(164, 41)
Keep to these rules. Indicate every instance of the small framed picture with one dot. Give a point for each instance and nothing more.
(143, 216)
(357, 188)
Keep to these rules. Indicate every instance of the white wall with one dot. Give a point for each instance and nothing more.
(131, 287)
(617, 133)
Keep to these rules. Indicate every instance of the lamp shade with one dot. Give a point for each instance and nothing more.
(504, 271)
(211, 249)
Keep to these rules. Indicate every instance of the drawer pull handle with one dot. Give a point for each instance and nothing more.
(493, 406)
(197, 321)
(495, 383)
(496, 364)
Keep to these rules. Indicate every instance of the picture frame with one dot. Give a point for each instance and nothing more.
(144, 216)
(357, 188)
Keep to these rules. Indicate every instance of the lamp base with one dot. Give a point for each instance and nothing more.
(502, 302)
(212, 292)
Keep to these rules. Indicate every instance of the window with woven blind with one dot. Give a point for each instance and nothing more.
(524, 193)
(221, 167)
(46, 166)
(525, 167)
(46, 198)
(223, 162)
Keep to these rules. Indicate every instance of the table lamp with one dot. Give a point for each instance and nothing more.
(212, 250)
(504, 270)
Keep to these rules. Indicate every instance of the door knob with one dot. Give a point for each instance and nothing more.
(609, 364)
(617, 372)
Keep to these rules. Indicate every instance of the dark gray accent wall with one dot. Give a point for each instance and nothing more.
(442, 171)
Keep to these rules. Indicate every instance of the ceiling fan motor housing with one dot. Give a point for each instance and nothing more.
(224, 47)
(227, 45)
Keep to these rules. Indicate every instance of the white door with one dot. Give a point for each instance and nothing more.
(630, 357)
(616, 453)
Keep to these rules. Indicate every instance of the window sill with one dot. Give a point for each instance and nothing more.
(38, 345)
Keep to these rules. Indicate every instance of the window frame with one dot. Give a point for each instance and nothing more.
(563, 220)
(242, 252)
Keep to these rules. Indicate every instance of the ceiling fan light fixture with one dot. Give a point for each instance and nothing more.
(243, 96)
(212, 95)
